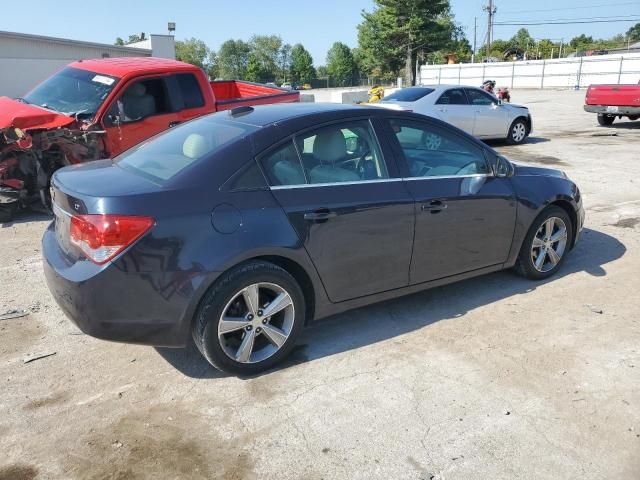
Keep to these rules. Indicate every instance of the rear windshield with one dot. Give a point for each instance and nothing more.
(167, 154)
(408, 94)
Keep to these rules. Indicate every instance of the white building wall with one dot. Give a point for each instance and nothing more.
(26, 60)
(555, 73)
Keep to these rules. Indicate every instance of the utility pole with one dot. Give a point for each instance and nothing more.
(475, 32)
(491, 11)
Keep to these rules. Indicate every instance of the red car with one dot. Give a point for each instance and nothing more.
(611, 101)
(95, 109)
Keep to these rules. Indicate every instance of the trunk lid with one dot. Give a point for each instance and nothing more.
(15, 114)
(618, 95)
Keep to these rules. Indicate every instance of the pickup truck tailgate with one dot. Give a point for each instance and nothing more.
(621, 95)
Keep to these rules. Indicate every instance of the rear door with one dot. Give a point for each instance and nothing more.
(144, 109)
(454, 108)
(348, 205)
(490, 118)
(465, 217)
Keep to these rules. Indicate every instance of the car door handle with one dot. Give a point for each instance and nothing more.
(319, 215)
(173, 124)
(434, 206)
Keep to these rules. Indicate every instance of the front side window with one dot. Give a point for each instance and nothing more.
(478, 97)
(455, 96)
(140, 100)
(346, 152)
(435, 152)
(73, 91)
(169, 153)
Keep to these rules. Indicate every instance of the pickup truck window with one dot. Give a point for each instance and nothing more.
(190, 90)
(73, 91)
(141, 100)
(174, 150)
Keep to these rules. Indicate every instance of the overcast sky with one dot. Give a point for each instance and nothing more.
(316, 24)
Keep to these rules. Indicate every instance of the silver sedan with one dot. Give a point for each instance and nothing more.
(468, 108)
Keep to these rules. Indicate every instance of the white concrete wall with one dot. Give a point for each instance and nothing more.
(26, 60)
(161, 46)
(556, 73)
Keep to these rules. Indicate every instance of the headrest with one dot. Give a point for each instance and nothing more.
(196, 146)
(330, 146)
(137, 90)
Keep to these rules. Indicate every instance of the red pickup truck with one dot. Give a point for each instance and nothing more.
(611, 101)
(94, 109)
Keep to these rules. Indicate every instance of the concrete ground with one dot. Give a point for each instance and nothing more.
(496, 377)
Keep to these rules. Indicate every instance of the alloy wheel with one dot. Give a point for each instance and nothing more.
(256, 322)
(518, 132)
(549, 244)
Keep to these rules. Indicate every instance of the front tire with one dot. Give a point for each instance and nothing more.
(605, 120)
(518, 131)
(250, 319)
(547, 242)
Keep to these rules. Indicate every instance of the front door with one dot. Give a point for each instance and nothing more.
(490, 117)
(355, 220)
(453, 107)
(143, 110)
(465, 217)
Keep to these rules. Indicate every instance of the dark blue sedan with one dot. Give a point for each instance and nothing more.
(241, 227)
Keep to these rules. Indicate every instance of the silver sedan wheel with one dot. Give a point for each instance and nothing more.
(432, 141)
(549, 244)
(256, 322)
(518, 132)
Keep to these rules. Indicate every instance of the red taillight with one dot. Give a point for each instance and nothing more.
(102, 237)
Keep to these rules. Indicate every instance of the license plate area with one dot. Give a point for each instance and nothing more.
(612, 109)
(62, 222)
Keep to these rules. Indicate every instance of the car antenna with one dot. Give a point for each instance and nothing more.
(239, 111)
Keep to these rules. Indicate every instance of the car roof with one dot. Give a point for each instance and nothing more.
(121, 66)
(281, 113)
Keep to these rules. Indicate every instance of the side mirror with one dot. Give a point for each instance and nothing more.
(502, 167)
(113, 120)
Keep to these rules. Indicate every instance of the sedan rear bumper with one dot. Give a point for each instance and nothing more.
(613, 110)
(111, 303)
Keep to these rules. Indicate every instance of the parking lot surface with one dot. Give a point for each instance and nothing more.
(495, 377)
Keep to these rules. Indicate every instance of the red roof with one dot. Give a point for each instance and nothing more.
(121, 66)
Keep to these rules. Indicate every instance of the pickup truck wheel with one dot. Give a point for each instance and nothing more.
(250, 319)
(518, 131)
(7, 212)
(605, 120)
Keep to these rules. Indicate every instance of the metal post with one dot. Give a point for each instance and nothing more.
(620, 69)
(439, 75)
(483, 66)
(579, 74)
(459, 73)
(513, 73)
(544, 64)
(475, 30)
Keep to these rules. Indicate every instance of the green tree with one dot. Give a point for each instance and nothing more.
(266, 49)
(254, 70)
(233, 58)
(391, 36)
(132, 39)
(284, 62)
(547, 47)
(193, 51)
(581, 42)
(301, 65)
(633, 34)
(340, 64)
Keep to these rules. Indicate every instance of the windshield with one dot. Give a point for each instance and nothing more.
(169, 153)
(73, 92)
(408, 94)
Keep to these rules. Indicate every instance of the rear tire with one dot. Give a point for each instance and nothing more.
(518, 131)
(236, 333)
(545, 247)
(7, 212)
(605, 120)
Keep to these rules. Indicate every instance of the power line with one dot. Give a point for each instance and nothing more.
(600, 17)
(573, 8)
(564, 23)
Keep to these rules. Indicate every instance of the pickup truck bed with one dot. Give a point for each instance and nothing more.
(235, 93)
(611, 101)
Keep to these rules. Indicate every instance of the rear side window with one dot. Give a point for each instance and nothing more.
(455, 96)
(169, 153)
(408, 94)
(190, 90)
(283, 167)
